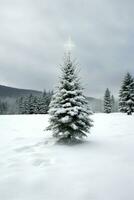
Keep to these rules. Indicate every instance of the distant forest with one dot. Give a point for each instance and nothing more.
(20, 101)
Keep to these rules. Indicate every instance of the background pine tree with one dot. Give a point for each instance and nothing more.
(107, 102)
(113, 106)
(126, 95)
(43, 102)
(69, 112)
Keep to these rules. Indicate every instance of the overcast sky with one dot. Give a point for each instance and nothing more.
(33, 33)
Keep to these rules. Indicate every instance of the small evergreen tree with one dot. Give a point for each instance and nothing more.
(43, 106)
(126, 95)
(43, 102)
(69, 112)
(113, 109)
(107, 101)
(35, 104)
(32, 105)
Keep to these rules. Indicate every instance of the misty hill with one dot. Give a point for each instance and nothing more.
(6, 91)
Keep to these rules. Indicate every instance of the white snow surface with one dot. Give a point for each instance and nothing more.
(33, 167)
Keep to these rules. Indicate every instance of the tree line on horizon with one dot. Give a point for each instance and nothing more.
(28, 104)
(126, 97)
(33, 104)
(40, 105)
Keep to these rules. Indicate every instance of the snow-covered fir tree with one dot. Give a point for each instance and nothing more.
(113, 106)
(41, 105)
(32, 105)
(107, 101)
(126, 95)
(43, 102)
(69, 111)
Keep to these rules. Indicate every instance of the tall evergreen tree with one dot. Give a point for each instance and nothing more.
(69, 111)
(107, 101)
(126, 95)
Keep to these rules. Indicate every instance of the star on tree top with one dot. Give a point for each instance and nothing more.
(69, 45)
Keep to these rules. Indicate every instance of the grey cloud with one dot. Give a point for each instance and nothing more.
(33, 32)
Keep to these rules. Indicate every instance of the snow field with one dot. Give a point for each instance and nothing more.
(33, 167)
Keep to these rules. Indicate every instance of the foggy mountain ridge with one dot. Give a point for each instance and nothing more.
(6, 91)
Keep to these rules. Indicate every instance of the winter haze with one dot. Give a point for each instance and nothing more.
(33, 33)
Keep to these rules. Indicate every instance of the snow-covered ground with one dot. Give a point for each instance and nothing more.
(33, 167)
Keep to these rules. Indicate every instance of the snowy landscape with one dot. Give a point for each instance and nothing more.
(66, 100)
(34, 167)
